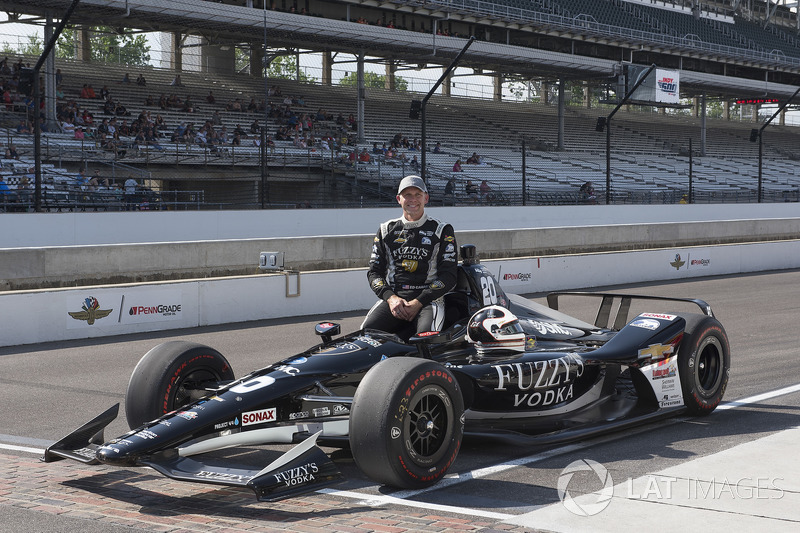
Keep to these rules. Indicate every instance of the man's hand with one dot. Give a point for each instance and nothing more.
(403, 309)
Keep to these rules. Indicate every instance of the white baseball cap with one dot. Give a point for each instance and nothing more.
(412, 181)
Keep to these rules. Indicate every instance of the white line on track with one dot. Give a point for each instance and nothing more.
(403, 497)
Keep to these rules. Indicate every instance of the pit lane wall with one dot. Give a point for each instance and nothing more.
(60, 314)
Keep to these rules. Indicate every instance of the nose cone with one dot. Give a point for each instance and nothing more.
(116, 453)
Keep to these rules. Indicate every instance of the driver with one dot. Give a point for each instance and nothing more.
(413, 265)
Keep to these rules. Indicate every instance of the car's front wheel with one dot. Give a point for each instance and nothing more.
(704, 361)
(406, 422)
(171, 375)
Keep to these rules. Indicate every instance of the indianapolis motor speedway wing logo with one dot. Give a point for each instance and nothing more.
(90, 311)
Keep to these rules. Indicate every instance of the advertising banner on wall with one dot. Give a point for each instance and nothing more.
(106, 308)
(662, 86)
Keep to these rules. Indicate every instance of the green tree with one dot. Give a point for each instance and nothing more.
(285, 68)
(373, 81)
(33, 47)
(108, 46)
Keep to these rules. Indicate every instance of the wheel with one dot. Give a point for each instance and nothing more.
(169, 376)
(704, 362)
(406, 422)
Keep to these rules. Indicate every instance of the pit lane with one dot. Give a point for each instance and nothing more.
(50, 389)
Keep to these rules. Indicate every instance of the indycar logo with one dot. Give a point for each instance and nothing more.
(90, 312)
(258, 417)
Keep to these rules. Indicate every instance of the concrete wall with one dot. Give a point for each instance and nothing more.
(66, 229)
(59, 314)
(60, 266)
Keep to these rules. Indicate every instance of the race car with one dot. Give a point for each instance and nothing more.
(504, 368)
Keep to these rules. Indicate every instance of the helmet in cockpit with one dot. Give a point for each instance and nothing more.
(495, 328)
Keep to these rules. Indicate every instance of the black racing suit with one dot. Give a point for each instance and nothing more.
(412, 260)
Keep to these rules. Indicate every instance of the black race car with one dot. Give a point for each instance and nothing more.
(536, 376)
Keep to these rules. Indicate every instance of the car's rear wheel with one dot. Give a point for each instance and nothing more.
(704, 362)
(171, 375)
(406, 422)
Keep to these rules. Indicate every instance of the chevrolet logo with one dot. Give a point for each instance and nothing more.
(656, 351)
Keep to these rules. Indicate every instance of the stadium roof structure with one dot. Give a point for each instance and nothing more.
(226, 23)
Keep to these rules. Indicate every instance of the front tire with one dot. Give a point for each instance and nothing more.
(169, 376)
(406, 422)
(704, 362)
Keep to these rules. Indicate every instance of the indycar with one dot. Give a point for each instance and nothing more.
(403, 405)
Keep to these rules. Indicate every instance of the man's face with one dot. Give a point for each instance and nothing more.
(413, 201)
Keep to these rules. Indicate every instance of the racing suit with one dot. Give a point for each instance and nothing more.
(412, 260)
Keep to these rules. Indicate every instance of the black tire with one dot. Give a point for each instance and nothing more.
(704, 362)
(169, 376)
(406, 422)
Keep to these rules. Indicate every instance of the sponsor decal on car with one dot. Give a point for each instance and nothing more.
(223, 476)
(659, 316)
(301, 360)
(261, 416)
(288, 370)
(298, 475)
(369, 340)
(188, 415)
(646, 323)
(663, 377)
(340, 409)
(550, 382)
(656, 351)
(146, 434)
(230, 423)
(298, 415)
(321, 411)
(547, 327)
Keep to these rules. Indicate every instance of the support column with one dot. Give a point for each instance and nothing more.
(362, 94)
(50, 77)
(703, 125)
(561, 109)
(447, 84)
(726, 110)
(389, 80)
(587, 96)
(497, 95)
(782, 118)
(327, 68)
(257, 60)
(754, 116)
(545, 93)
(176, 59)
(83, 48)
(695, 107)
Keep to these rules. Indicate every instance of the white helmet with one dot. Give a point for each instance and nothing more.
(495, 328)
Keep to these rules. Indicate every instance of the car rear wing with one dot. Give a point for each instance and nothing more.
(602, 320)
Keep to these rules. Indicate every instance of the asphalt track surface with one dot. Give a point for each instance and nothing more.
(47, 390)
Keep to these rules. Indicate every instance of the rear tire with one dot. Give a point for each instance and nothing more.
(704, 363)
(170, 376)
(406, 422)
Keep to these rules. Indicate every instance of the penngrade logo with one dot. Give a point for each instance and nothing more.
(90, 311)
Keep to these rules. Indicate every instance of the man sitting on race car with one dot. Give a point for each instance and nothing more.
(414, 263)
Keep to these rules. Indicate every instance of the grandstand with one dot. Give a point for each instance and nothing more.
(723, 50)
